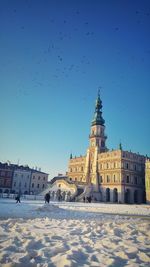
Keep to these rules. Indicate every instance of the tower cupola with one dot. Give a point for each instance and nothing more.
(98, 119)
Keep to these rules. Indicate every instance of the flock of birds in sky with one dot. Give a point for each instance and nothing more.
(57, 48)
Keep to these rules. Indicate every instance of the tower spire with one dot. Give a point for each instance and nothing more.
(99, 91)
(120, 146)
(98, 119)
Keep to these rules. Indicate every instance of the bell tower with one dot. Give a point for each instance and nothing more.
(97, 136)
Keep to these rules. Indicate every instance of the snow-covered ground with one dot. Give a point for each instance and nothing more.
(73, 234)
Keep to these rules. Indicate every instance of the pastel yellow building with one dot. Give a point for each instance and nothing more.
(109, 176)
(147, 176)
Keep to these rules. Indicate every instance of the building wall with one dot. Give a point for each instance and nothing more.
(133, 177)
(38, 182)
(6, 175)
(119, 174)
(109, 175)
(122, 171)
(21, 181)
(147, 175)
(76, 170)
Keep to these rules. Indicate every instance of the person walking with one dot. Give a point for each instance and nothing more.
(47, 198)
(18, 198)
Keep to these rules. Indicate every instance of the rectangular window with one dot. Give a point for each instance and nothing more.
(143, 181)
(108, 179)
(135, 180)
(8, 174)
(135, 167)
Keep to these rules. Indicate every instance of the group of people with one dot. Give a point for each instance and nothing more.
(48, 197)
(89, 199)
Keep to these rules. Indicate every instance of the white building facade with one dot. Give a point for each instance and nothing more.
(21, 181)
(38, 182)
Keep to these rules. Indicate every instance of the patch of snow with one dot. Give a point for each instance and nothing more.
(73, 234)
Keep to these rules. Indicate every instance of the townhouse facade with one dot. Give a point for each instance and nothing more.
(21, 179)
(38, 182)
(6, 178)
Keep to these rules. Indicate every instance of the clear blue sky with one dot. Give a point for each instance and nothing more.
(53, 57)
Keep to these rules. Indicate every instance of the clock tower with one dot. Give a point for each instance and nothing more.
(97, 145)
(97, 135)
